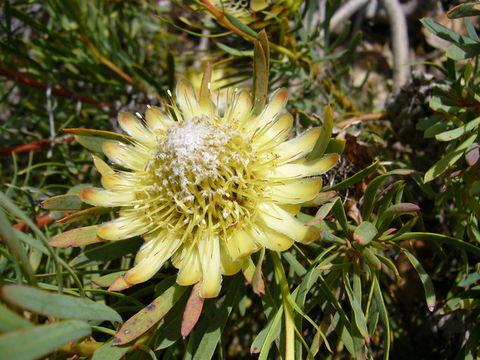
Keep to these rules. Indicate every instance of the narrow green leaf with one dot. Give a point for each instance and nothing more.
(460, 131)
(261, 60)
(63, 202)
(107, 251)
(210, 329)
(382, 310)
(448, 160)
(263, 341)
(10, 320)
(150, 315)
(36, 342)
(445, 33)
(359, 176)
(325, 135)
(457, 243)
(364, 233)
(462, 52)
(424, 278)
(109, 352)
(358, 315)
(464, 10)
(76, 237)
(57, 305)
(370, 194)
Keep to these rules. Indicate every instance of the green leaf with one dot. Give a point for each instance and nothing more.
(462, 52)
(359, 176)
(205, 337)
(325, 135)
(36, 342)
(261, 62)
(359, 316)
(457, 243)
(57, 305)
(370, 194)
(263, 341)
(424, 278)
(240, 25)
(460, 131)
(76, 237)
(382, 310)
(150, 315)
(108, 251)
(10, 320)
(364, 233)
(448, 160)
(109, 352)
(235, 52)
(63, 202)
(464, 10)
(445, 33)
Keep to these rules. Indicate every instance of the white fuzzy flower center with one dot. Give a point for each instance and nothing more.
(201, 168)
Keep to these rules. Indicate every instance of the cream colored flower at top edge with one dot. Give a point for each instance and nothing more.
(207, 189)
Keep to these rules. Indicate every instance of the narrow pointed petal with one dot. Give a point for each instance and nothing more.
(241, 109)
(157, 119)
(297, 191)
(150, 264)
(240, 245)
(209, 251)
(229, 266)
(125, 155)
(274, 107)
(279, 220)
(190, 270)
(121, 182)
(274, 132)
(309, 168)
(297, 147)
(119, 284)
(101, 166)
(271, 239)
(107, 198)
(133, 127)
(187, 101)
(292, 209)
(122, 228)
(146, 248)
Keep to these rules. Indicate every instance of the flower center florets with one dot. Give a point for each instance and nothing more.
(201, 167)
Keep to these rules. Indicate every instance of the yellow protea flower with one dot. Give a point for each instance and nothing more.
(206, 189)
(258, 13)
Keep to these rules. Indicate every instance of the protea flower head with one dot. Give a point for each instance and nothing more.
(258, 13)
(207, 188)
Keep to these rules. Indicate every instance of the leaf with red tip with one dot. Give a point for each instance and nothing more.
(472, 156)
(76, 237)
(139, 323)
(192, 311)
(364, 233)
(84, 214)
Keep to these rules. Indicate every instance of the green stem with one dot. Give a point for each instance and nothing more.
(288, 309)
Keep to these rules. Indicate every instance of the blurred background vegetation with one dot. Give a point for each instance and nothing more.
(395, 273)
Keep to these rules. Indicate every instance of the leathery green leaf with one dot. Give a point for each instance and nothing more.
(448, 160)
(57, 305)
(10, 320)
(359, 316)
(149, 316)
(382, 310)
(63, 202)
(109, 352)
(76, 237)
(210, 329)
(364, 233)
(424, 278)
(35, 342)
(359, 176)
(325, 135)
(456, 133)
(263, 341)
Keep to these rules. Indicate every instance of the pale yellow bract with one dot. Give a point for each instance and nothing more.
(208, 188)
